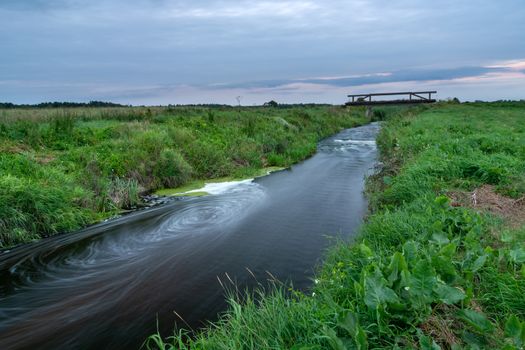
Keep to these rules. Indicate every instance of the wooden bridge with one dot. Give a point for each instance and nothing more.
(407, 98)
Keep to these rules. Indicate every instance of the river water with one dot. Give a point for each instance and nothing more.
(107, 286)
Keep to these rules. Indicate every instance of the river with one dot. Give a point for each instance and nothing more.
(107, 286)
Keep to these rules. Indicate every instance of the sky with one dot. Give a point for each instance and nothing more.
(155, 52)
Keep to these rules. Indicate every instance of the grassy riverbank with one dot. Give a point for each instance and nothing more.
(438, 264)
(61, 169)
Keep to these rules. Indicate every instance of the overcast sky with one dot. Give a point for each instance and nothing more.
(182, 51)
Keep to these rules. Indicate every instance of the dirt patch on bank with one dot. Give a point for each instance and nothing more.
(487, 199)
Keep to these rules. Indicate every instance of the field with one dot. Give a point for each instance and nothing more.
(65, 168)
(439, 262)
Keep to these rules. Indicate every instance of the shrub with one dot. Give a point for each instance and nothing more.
(171, 169)
(124, 193)
(207, 159)
(180, 137)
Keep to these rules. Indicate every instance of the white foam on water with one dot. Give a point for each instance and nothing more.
(357, 142)
(220, 187)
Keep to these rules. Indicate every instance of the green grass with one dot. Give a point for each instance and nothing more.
(63, 169)
(423, 273)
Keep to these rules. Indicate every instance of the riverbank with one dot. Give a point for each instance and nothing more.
(439, 263)
(63, 169)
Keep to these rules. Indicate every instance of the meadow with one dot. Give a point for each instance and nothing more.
(438, 264)
(64, 168)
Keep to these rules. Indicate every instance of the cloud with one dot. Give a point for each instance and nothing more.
(147, 47)
(500, 80)
(517, 65)
(378, 78)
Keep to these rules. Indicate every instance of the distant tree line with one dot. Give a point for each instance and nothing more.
(8, 105)
(498, 103)
(272, 104)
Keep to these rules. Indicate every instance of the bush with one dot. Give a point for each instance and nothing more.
(124, 193)
(207, 159)
(171, 169)
(181, 137)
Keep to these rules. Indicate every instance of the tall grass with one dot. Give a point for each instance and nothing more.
(92, 162)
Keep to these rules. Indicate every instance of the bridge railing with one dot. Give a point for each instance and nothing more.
(409, 97)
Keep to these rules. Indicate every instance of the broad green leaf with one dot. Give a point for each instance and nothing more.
(398, 306)
(426, 342)
(444, 267)
(410, 251)
(335, 342)
(514, 329)
(437, 225)
(361, 339)
(478, 263)
(396, 267)
(349, 323)
(365, 250)
(448, 250)
(442, 201)
(448, 295)
(507, 237)
(475, 341)
(440, 238)
(422, 281)
(518, 255)
(476, 320)
(377, 292)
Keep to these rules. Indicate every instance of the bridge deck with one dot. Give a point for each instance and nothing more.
(411, 98)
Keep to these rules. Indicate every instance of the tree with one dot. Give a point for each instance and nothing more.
(271, 103)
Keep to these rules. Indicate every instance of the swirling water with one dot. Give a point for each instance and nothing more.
(108, 285)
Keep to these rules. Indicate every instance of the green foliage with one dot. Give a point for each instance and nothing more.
(29, 208)
(124, 193)
(79, 165)
(171, 169)
(424, 272)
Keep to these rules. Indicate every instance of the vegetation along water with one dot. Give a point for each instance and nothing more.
(64, 168)
(439, 262)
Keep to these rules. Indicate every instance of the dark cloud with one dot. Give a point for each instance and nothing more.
(377, 78)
